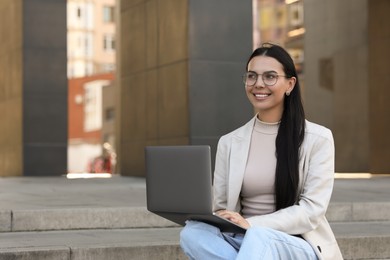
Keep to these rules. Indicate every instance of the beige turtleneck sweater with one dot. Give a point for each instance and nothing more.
(257, 192)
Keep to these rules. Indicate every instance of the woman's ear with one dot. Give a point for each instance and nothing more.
(291, 84)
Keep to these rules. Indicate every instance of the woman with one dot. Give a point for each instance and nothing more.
(273, 176)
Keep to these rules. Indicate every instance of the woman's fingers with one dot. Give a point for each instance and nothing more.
(234, 217)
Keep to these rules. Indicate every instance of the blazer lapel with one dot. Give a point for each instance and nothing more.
(238, 159)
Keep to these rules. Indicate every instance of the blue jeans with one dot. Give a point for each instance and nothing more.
(203, 241)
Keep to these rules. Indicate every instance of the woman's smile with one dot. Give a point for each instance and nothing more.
(261, 96)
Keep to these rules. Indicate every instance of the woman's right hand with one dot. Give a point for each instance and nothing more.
(234, 217)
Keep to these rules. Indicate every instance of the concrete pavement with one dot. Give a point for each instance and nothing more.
(51, 217)
(21, 193)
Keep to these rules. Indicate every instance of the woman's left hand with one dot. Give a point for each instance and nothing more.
(234, 217)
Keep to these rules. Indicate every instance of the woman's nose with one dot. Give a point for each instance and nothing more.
(259, 83)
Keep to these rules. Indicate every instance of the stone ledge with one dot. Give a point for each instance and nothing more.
(35, 253)
(5, 220)
(161, 252)
(140, 217)
(86, 218)
(142, 244)
(363, 240)
(365, 247)
(358, 211)
(357, 240)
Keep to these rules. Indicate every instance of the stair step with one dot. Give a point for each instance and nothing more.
(92, 244)
(86, 218)
(358, 211)
(47, 203)
(363, 240)
(142, 244)
(357, 240)
(138, 217)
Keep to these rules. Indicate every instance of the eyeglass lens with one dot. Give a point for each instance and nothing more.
(269, 78)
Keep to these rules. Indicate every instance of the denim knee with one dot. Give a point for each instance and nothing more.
(191, 232)
(263, 232)
(186, 235)
(203, 241)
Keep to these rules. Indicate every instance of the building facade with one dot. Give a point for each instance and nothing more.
(91, 37)
(33, 88)
(91, 64)
(179, 79)
(345, 59)
(179, 74)
(87, 116)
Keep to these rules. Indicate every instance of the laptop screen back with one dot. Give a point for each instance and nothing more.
(179, 179)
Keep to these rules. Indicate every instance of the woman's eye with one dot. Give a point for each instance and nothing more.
(270, 76)
(251, 76)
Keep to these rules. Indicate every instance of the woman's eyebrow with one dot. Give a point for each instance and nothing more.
(270, 71)
(267, 71)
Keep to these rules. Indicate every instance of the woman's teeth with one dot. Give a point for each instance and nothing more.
(261, 95)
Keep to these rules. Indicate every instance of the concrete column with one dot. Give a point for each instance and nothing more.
(346, 79)
(379, 84)
(179, 74)
(11, 94)
(33, 87)
(220, 41)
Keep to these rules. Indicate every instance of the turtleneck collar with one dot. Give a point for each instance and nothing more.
(266, 128)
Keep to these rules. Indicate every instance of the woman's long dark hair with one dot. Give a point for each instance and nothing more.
(291, 131)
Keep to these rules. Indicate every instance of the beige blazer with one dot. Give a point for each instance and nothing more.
(316, 170)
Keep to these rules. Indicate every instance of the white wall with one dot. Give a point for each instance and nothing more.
(79, 155)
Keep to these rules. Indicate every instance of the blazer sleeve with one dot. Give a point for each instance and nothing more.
(316, 190)
(220, 175)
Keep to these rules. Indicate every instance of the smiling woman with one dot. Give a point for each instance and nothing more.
(267, 94)
(273, 176)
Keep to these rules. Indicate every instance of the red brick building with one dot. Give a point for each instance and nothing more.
(85, 97)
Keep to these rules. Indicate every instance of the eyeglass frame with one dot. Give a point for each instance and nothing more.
(262, 77)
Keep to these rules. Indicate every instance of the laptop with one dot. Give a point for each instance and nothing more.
(179, 185)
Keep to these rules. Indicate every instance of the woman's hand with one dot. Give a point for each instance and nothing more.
(234, 217)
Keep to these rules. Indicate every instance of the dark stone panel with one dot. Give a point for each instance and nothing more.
(218, 102)
(220, 30)
(45, 159)
(45, 119)
(44, 71)
(220, 41)
(211, 141)
(44, 23)
(378, 85)
(44, 87)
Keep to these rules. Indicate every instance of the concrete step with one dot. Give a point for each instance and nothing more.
(357, 240)
(142, 244)
(363, 240)
(54, 203)
(138, 217)
(83, 218)
(358, 211)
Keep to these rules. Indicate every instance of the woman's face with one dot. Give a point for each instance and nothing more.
(268, 100)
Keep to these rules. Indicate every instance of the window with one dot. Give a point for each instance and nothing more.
(92, 97)
(107, 67)
(88, 68)
(109, 42)
(108, 14)
(78, 12)
(109, 114)
(93, 105)
(88, 45)
(296, 14)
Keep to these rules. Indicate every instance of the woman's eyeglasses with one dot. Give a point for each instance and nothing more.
(269, 78)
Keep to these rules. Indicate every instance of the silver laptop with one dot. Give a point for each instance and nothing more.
(179, 185)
